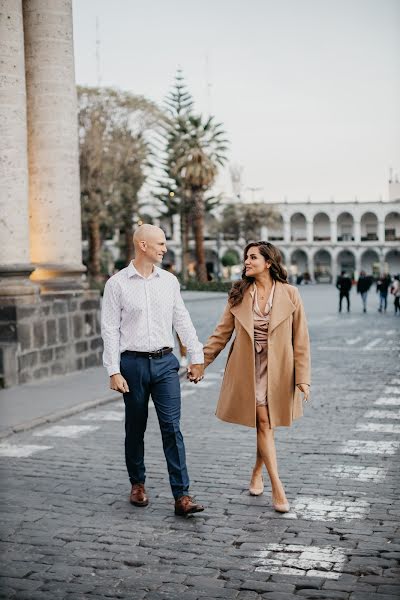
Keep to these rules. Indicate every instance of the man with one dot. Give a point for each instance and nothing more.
(141, 304)
(344, 284)
(382, 287)
(363, 284)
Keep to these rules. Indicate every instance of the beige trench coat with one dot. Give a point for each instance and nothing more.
(288, 359)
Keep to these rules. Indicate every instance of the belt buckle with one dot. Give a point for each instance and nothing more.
(158, 354)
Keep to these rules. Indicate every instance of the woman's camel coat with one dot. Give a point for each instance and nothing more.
(288, 359)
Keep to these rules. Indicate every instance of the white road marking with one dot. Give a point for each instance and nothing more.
(313, 508)
(353, 341)
(104, 415)
(368, 447)
(382, 414)
(67, 431)
(394, 382)
(20, 450)
(387, 400)
(293, 559)
(391, 390)
(358, 473)
(352, 349)
(379, 427)
(372, 344)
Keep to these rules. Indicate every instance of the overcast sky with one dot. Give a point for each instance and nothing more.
(308, 90)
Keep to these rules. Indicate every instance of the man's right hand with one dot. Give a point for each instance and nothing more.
(118, 383)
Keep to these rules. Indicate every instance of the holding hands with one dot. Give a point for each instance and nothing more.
(195, 373)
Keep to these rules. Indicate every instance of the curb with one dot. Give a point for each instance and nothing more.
(57, 416)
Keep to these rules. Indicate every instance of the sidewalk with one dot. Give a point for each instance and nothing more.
(26, 406)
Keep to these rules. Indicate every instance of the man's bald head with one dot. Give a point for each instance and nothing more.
(149, 242)
(146, 232)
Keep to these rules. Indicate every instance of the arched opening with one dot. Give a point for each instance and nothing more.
(323, 267)
(369, 227)
(231, 264)
(392, 262)
(212, 264)
(392, 227)
(298, 228)
(370, 263)
(345, 227)
(275, 228)
(299, 266)
(346, 262)
(321, 228)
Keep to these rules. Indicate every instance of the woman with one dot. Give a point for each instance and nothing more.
(269, 361)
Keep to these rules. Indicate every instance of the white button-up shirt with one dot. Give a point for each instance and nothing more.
(138, 313)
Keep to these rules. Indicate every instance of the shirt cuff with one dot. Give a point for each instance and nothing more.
(113, 370)
(197, 358)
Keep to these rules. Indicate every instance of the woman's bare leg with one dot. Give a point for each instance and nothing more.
(267, 452)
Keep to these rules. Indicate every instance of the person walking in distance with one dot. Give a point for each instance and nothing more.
(395, 289)
(268, 365)
(344, 284)
(141, 304)
(363, 285)
(382, 287)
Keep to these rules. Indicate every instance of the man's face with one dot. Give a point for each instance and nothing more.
(156, 247)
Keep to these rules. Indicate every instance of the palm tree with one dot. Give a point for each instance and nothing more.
(199, 152)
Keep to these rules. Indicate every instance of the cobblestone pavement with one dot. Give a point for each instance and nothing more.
(68, 530)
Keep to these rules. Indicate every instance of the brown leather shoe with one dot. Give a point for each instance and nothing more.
(185, 506)
(138, 495)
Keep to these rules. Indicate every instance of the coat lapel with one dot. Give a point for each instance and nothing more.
(282, 306)
(244, 312)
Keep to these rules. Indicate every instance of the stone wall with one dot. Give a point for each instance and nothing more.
(50, 334)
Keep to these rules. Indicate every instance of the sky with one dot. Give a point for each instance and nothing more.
(308, 90)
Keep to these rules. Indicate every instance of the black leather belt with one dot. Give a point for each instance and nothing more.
(156, 354)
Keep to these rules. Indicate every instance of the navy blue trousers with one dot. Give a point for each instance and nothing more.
(158, 378)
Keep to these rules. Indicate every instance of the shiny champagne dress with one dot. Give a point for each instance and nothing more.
(261, 324)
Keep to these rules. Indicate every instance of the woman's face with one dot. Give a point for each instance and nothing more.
(255, 263)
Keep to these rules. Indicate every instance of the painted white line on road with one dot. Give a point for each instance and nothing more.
(391, 390)
(355, 447)
(293, 559)
(382, 414)
(388, 401)
(104, 415)
(358, 473)
(20, 450)
(379, 427)
(67, 431)
(352, 349)
(353, 341)
(313, 508)
(372, 344)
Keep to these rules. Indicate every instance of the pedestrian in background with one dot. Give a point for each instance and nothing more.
(344, 284)
(268, 366)
(363, 285)
(141, 304)
(395, 289)
(382, 287)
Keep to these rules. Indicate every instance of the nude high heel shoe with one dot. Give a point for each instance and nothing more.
(281, 507)
(258, 488)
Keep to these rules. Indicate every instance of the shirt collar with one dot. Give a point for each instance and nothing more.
(133, 272)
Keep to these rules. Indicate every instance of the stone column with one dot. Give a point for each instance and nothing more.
(15, 265)
(54, 191)
(381, 231)
(357, 231)
(333, 230)
(310, 232)
(286, 230)
(264, 233)
(176, 224)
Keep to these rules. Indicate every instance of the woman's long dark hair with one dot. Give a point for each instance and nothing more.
(277, 270)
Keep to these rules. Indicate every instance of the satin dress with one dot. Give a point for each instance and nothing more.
(261, 324)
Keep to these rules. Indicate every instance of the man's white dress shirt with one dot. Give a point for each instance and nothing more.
(138, 313)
